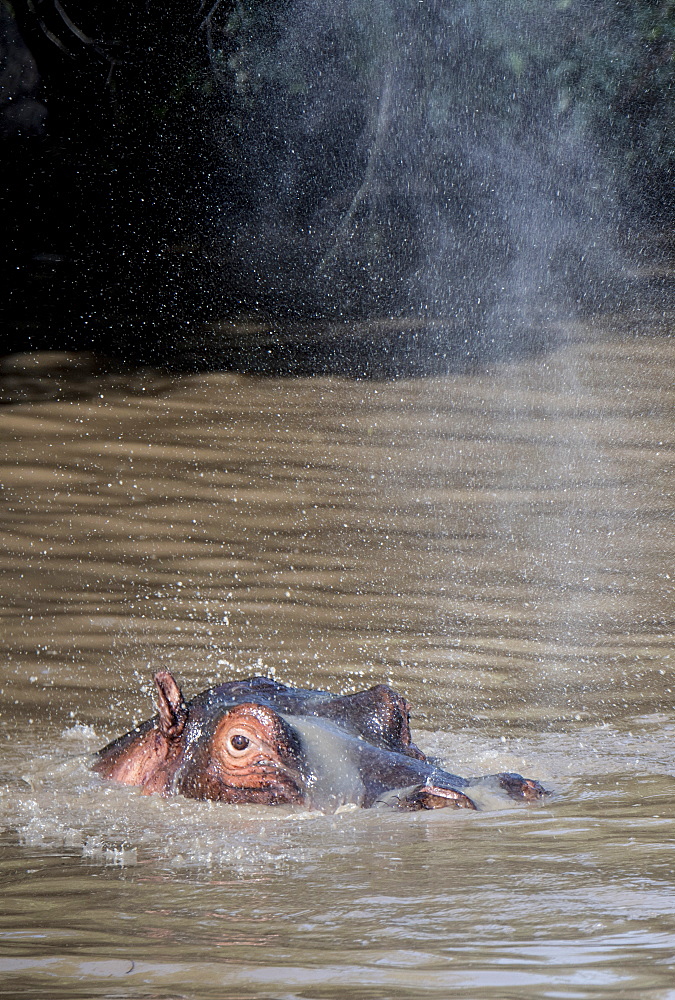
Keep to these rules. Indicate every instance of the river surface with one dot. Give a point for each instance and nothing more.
(497, 544)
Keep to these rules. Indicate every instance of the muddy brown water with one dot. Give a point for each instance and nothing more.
(497, 545)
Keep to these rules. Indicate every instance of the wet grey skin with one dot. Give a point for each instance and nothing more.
(319, 750)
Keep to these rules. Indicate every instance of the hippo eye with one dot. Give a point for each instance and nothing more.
(239, 742)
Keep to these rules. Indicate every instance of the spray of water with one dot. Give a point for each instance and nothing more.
(427, 159)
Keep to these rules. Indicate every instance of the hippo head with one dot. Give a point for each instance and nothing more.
(243, 752)
(260, 741)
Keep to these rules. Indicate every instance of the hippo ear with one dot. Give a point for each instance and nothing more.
(173, 711)
(379, 715)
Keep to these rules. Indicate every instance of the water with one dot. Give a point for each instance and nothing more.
(497, 544)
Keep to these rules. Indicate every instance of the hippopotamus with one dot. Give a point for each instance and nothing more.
(259, 741)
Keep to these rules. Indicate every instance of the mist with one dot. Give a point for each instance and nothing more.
(416, 159)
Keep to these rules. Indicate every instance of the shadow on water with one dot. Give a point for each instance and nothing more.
(376, 349)
(142, 358)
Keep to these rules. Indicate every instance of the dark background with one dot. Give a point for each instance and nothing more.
(175, 175)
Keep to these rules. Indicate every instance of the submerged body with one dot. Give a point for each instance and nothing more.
(261, 741)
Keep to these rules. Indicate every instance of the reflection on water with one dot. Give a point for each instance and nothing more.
(498, 545)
